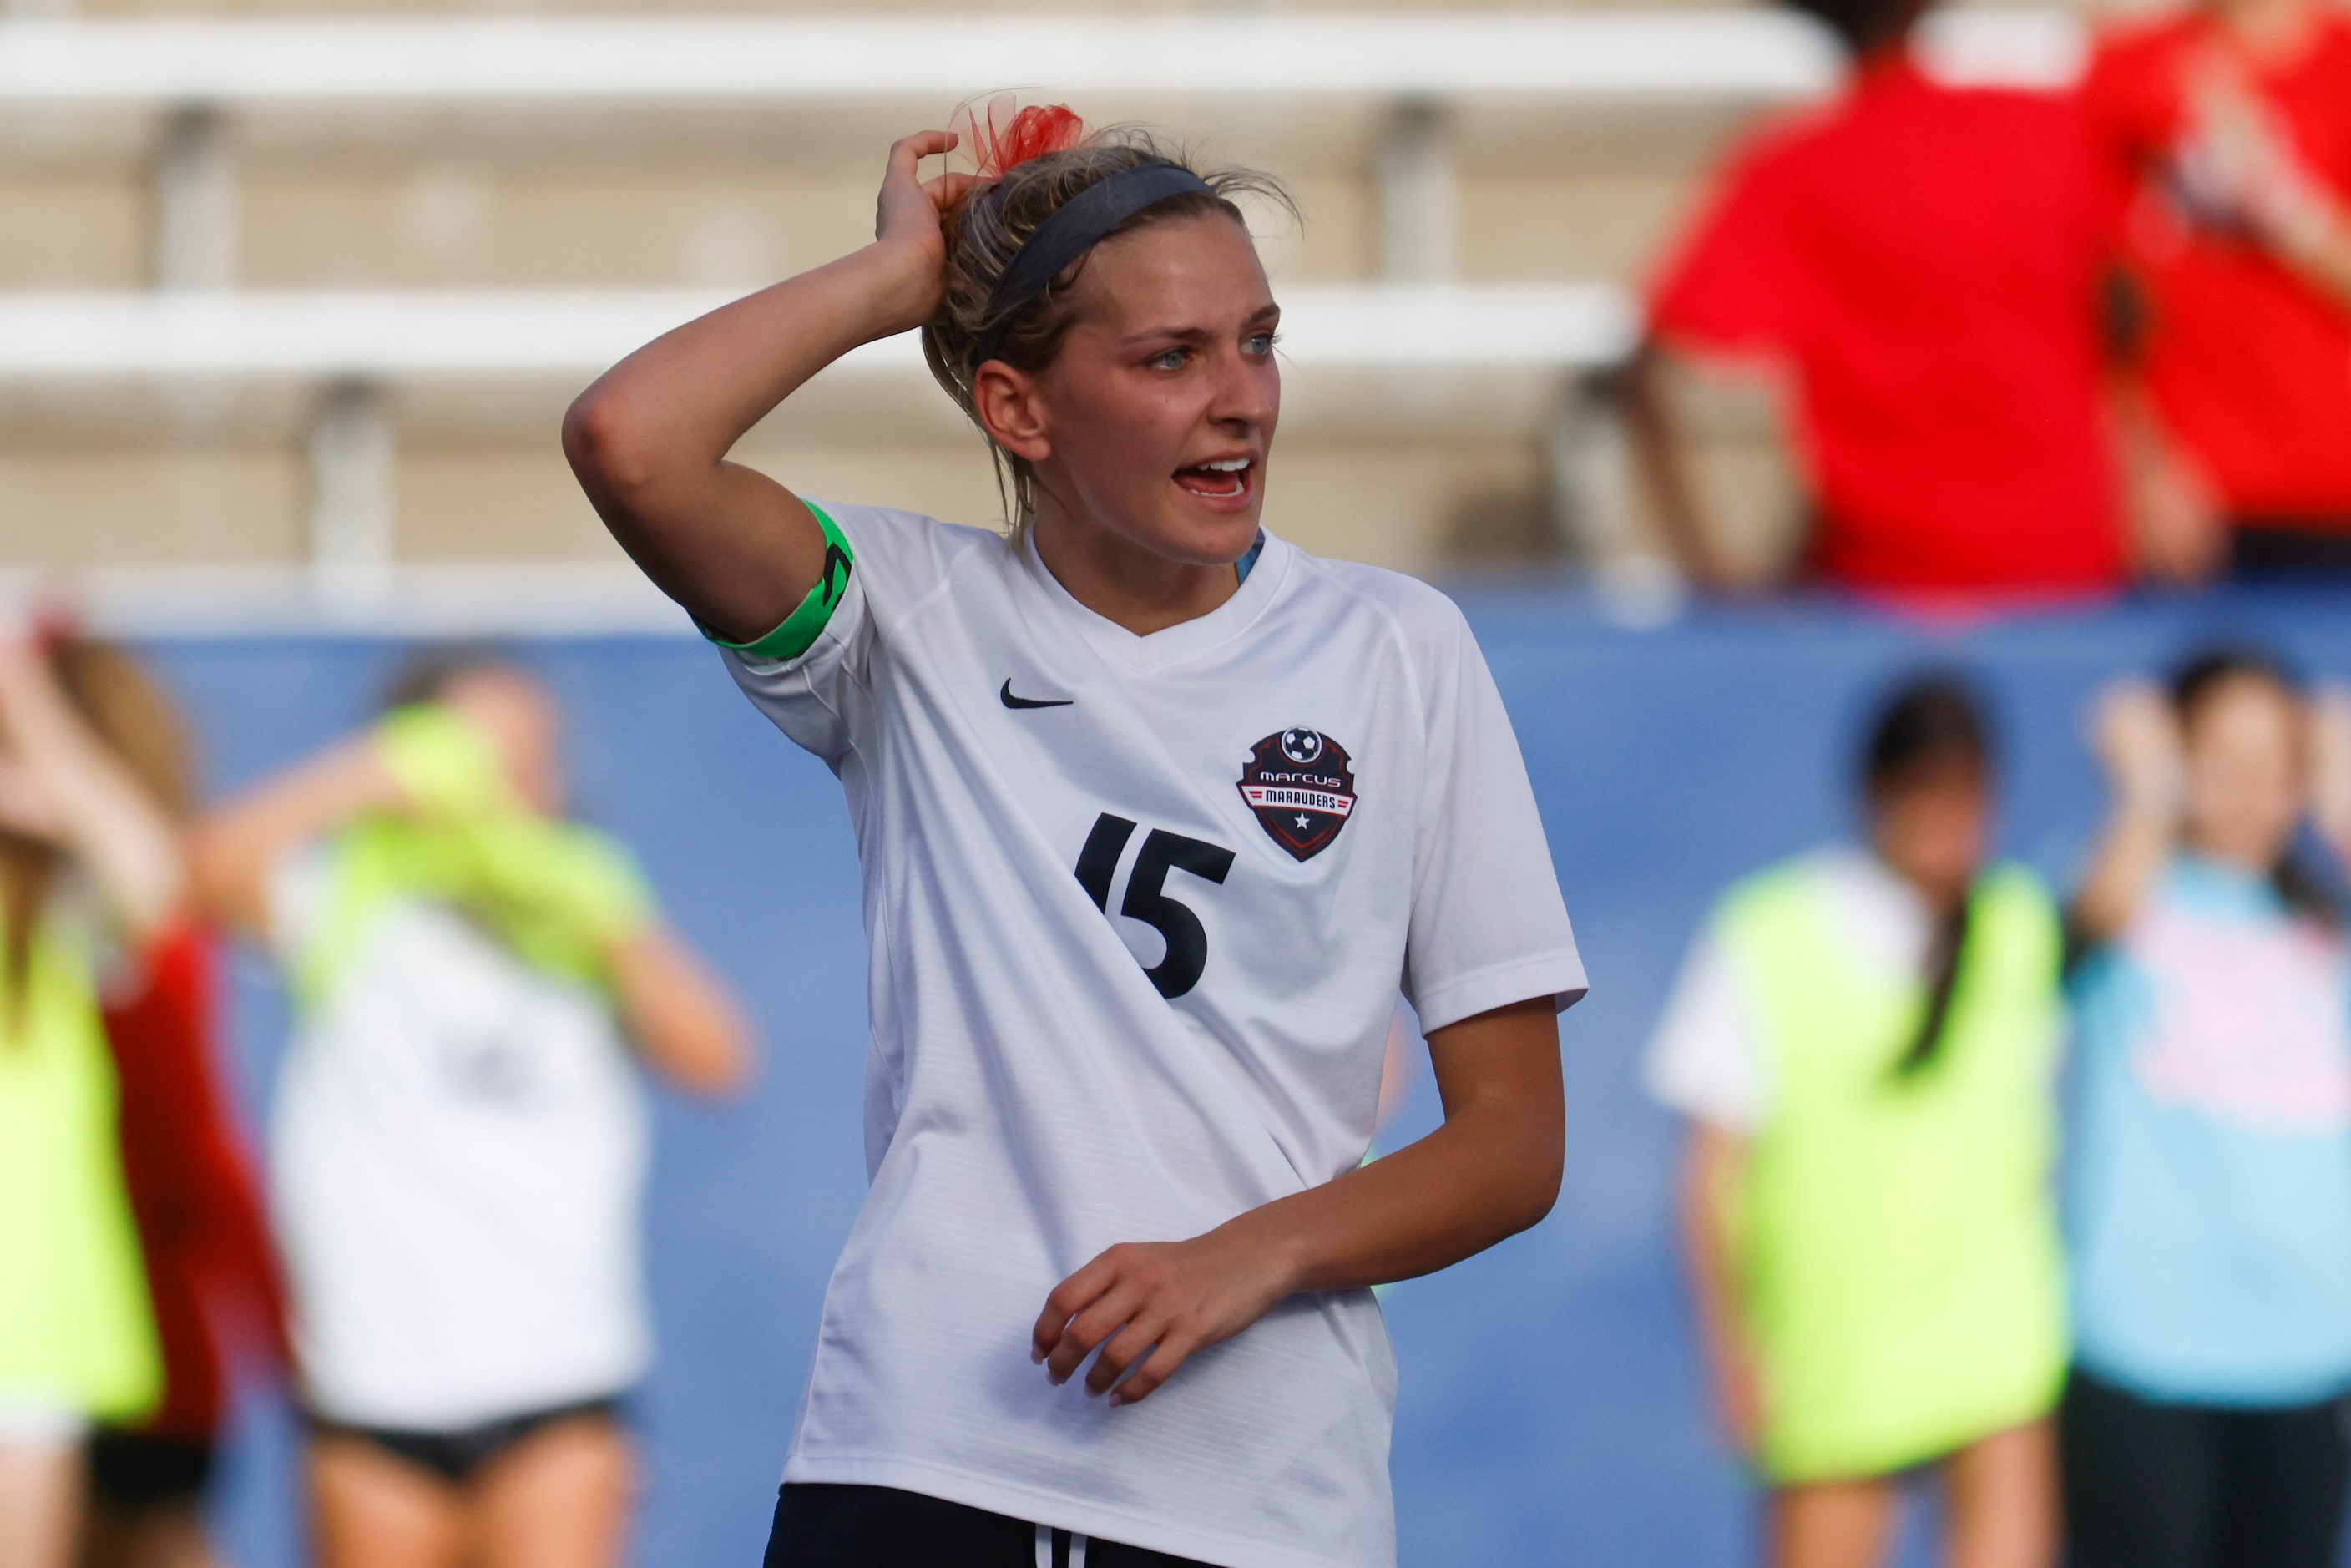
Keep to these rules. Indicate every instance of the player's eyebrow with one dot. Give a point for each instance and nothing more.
(1263, 314)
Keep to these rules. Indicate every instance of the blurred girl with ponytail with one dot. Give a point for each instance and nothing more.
(1157, 813)
(1863, 1042)
(90, 868)
(2208, 1173)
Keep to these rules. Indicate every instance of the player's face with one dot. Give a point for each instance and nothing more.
(2245, 771)
(1159, 408)
(524, 725)
(1931, 827)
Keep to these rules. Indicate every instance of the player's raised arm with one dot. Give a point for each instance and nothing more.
(649, 440)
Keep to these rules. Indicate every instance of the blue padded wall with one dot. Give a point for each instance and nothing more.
(1551, 1409)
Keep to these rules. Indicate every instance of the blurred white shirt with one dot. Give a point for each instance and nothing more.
(458, 1148)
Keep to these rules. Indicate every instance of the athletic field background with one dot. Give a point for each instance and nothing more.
(1551, 1409)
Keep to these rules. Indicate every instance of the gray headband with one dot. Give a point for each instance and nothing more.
(1075, 227)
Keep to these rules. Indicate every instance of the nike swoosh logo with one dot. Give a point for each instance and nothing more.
(1008, 700)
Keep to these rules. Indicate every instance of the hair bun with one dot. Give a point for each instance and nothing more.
(1004, 136)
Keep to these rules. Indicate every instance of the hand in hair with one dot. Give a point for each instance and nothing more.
(906, 215)
(649, 440)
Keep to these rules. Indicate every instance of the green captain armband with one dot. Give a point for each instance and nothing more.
(801, 628)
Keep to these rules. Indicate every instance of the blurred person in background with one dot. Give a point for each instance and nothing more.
(1922, 265)
(2229, 124)
(459, 1140)
(1863, 1042)
(88, 863)
(2208, 1173)
(212, 1276)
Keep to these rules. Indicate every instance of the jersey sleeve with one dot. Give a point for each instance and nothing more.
(818, 695)
(1488, 927)
(1737, 282)
(1707, 1059)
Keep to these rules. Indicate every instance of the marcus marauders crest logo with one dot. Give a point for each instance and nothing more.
(1299, 785)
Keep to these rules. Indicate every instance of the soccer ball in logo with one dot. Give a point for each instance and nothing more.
(1302, 745)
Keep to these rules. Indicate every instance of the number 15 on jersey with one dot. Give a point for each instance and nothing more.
(1146, 897)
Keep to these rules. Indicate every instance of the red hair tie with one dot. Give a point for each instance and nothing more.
(1004, 136)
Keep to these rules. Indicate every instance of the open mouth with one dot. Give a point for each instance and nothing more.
(1225, 479)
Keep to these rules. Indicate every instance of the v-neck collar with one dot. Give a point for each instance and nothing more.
(1170, 644)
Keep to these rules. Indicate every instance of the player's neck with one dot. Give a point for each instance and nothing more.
(1124, 582)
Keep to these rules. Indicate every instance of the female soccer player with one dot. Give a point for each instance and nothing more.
(458, 1141)
(211, 1276)
(1863, 1042)
(1156, 813)
(87, 862)
(2208, 1176)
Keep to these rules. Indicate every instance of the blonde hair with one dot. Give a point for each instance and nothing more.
(986, 230)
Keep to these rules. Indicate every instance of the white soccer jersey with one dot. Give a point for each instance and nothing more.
(1139, 909)
(457, 1149)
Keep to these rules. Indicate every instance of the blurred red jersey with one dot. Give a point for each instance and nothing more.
(1927, 260)
(2249, 365)
(200, 1229)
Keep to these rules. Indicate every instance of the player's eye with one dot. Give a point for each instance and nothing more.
(1169, 358)
(1259, 345)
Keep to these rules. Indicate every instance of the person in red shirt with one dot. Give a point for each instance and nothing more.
(1925, 264)
(2228, 125)
(212, 1274)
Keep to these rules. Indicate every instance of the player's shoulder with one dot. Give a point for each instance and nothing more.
(1768, 891)
(1416, 611)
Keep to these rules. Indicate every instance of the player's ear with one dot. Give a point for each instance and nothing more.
(1007, 404)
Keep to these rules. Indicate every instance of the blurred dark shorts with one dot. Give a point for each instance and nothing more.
(2261, 550)
(820, 1525)
(132, 1473)
(457, 1456)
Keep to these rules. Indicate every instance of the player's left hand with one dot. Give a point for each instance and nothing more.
(1149, 1306)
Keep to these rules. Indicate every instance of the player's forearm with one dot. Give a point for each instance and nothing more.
(2130, 852)
(1490, 1171)
(649, 440)
(1711, 1173)
(129, 848)
(2309, 231)
(679, 404)
(1660, 453)
(1475, 1181)
(681, 1016)
(233, 851)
